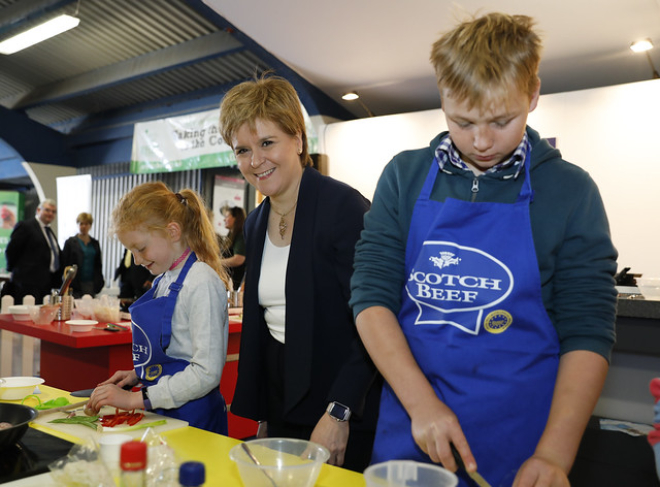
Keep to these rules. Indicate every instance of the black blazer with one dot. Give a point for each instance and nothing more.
(324, 357)
(28, 259)
(73, 254)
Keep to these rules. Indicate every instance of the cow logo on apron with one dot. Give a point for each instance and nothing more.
(455, 281)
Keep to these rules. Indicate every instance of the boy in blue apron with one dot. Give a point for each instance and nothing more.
(483, 285)
(180, 326)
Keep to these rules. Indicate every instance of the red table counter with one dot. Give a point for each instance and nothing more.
(75, 360)
(238, 427)
(80, 360)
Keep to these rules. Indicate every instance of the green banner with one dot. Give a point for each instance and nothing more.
(188, 142)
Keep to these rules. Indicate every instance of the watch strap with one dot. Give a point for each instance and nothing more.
(145, 399)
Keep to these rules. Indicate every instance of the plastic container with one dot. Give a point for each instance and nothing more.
(192, 474)
(44, 314)
(110, 448)
(83, 309)
(284, 462)
(106, 309)
(20, 312)
(406, 473)
(649, 287)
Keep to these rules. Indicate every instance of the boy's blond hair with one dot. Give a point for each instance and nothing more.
(482, 59)
(269, 98)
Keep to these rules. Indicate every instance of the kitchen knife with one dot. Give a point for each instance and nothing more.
(478, 479)
(88, 392)
(83, 393)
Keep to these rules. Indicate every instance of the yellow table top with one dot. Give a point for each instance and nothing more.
(209, 448)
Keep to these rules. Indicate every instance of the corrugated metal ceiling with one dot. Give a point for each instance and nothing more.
(100, 65)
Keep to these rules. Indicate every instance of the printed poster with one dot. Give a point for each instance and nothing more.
(11, 212)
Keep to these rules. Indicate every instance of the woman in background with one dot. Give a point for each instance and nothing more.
(234, 252)
(85, 252)
(303, 371)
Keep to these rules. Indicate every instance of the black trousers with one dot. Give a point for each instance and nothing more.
(360, 443)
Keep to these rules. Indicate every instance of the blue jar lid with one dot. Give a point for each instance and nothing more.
(191, 474)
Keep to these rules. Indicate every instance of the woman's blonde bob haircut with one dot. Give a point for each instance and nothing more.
(484, 59)
(269, 98)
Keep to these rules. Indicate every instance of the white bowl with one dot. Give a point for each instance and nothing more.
(284, 462)
(81, 325)
(20, 312)
(649, 287)
(15, 388)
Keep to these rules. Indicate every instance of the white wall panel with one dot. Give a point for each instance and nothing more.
(611, 132)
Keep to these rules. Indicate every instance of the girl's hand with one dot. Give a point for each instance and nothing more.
(434, 427)
(334, 436)
(113, 395)
(540, 472)
(122, 378)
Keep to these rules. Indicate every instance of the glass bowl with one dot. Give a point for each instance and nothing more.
(285, 462)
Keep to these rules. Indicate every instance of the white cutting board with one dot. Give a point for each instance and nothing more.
(81, 431)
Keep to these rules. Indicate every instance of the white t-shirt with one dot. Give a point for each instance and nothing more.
(272, 282)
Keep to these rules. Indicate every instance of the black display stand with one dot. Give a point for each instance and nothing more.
(613, 459)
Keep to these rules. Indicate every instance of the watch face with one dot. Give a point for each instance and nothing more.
(339, 411)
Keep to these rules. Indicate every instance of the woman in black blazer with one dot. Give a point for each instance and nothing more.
(302, 367)
(84, 251)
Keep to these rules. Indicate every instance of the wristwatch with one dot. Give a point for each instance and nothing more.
(339, 412)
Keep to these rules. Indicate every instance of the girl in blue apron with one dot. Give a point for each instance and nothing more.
(180, 325)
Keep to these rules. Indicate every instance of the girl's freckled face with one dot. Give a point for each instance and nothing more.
(152, 250)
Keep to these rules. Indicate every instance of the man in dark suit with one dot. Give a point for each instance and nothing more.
(33, 256)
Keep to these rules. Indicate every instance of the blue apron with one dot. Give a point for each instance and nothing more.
(473, 315)
(152, 331)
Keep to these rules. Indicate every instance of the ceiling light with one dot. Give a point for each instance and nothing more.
(353, 96)
(644, 46)
(641, 46)
(38, 34)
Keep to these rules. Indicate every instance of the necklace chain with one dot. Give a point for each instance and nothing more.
(283, 224)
